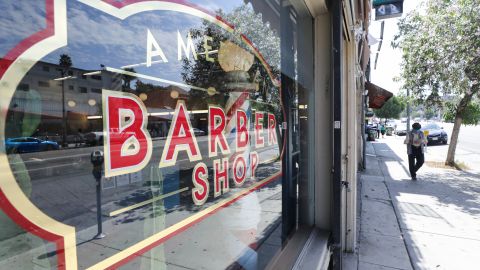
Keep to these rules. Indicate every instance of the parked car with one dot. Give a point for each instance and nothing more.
(198, 132)
(94, 138)
(401, 131)
(436, 134)
(371, 131)
(29, 144)
(77, 139)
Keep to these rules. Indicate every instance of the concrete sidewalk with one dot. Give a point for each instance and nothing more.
(432, 223)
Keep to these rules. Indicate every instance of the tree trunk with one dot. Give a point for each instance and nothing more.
(453, 140)
(462, 105)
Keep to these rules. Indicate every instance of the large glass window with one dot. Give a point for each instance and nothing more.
(169, 155)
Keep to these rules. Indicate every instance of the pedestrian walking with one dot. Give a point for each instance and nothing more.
(378, 130)
(383, 129)
(415, 141)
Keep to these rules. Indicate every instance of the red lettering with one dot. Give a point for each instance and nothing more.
(259, 141)
(216, 130)
(180, 138)
(220, 176)
(128, 146)
(239, 171)
(272, 134)
(242, 136)
(200, 182)
(253, 164)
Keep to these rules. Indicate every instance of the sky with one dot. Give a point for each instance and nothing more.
(96, 38)
(389, 59)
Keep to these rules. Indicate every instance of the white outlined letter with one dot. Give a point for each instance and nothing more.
(200, 183)
(153, 49)
(127, 144)
(239, 170)
(186, 48)
(220, 176)
(207, 48)
(272, 134)
(242, 136)
(216, 132)
(253, 164)
(259, 140)
(180, 137)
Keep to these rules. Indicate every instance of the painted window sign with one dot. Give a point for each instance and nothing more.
(128, 146)
(184, 102)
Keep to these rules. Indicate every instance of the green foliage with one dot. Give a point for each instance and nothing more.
(430, 112)
(262, 36)
(127, 79)
(65, 61)
(440, 44)
(391, 109)
(471, 115)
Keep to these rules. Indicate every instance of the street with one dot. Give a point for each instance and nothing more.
(60, 183)
(468, 147)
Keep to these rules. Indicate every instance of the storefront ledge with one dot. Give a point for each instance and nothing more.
(307, 249)
(316, 252)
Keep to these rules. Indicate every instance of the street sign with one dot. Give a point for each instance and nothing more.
(387, 11)
(377, 3)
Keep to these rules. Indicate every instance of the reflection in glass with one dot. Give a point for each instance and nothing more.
(56, 119)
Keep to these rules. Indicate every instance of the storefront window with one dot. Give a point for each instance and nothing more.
(144, 134)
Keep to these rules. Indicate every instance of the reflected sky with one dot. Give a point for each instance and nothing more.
(96, 38)
(19, 19)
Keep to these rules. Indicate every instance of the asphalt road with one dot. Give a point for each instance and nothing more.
(468, 147)
(67, 173)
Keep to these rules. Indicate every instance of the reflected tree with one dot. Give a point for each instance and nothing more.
(65, 63)
(127, 79)
(208, 73)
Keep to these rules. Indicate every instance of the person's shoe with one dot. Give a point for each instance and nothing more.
(414, 178)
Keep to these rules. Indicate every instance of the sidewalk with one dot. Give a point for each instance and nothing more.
(433, 223)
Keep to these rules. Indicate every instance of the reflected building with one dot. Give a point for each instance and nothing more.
(39, 99)
(263, 79)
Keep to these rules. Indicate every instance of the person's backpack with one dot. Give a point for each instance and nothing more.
(416, 138)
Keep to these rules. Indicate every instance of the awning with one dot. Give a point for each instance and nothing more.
(377, 96)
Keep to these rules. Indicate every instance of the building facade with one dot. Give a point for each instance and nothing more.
(180, 134)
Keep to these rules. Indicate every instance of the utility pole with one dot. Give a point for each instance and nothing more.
(408, 110)
(64, 118)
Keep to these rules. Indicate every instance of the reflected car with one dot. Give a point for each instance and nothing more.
(198, 132)
(94, 138)
(436, 134)
(29, 144)
(401, 131)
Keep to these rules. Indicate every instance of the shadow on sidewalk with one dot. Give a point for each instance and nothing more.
(438, 213)
(449, 187)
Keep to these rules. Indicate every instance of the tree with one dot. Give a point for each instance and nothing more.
(430, 112)
(471, 116)
(127, 79)
(391, 109)
(65, 62)
(262, 36)
(440, 46)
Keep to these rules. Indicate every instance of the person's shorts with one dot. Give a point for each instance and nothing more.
(383, 132)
